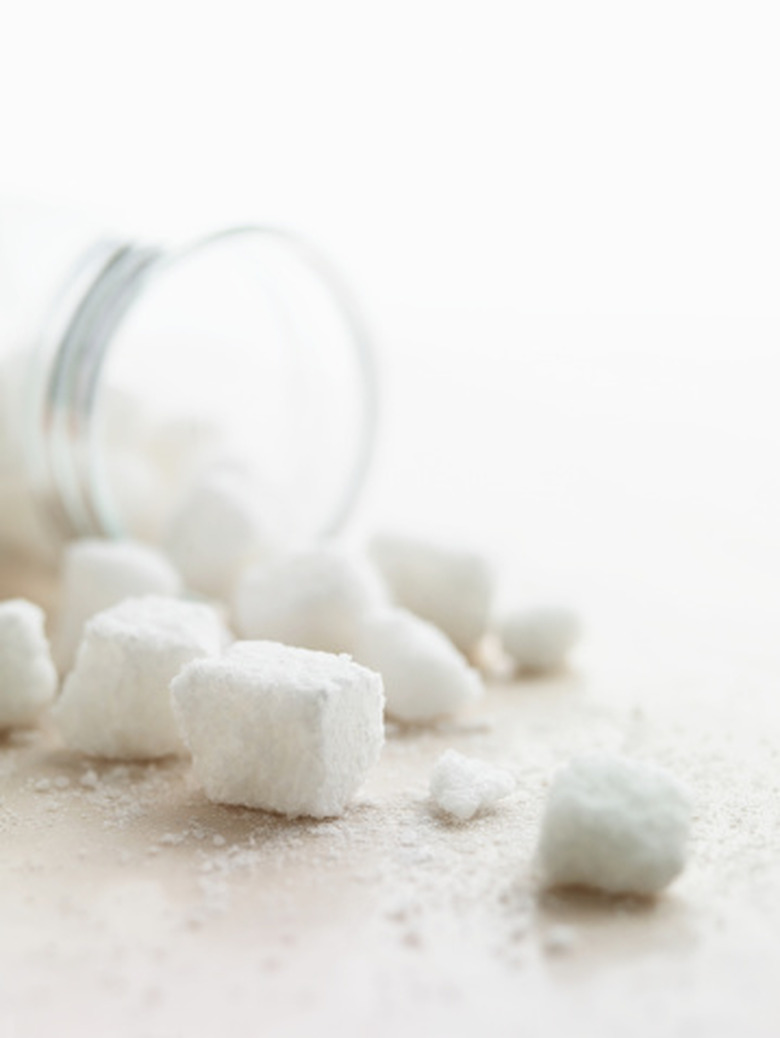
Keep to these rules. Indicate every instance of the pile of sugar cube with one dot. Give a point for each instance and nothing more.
(273, 666)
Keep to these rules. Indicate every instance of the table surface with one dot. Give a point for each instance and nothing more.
(132, 906)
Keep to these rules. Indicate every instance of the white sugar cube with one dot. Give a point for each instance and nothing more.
(614, 824)
(539, 640)
(116, 700)
(280, 728)
(452, 588)
(424, 674)
(97, 574)
(462, 786)
(314, 599)
(28, 678)
(221, 527)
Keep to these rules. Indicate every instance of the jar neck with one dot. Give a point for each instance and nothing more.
(66, 371)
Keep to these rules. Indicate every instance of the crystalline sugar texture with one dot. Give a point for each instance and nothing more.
(424, 674)
(219, 529)
(461, 786)
(314, 599)
(28, 679)
(449, 587)
(97, 574)
(116, 701)
(615, 825)
(539, 640)
(280, 728)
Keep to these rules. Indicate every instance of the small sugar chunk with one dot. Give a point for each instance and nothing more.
(280, 728)
(314, 599)
(28, 678)
(116, 700)
(614, 824)
(539, 640)
(424, 674)
(89, 779)
(462, 786)
(560, 939)
(221, 527)
(172, 839)
(97, 574)
(450, 587)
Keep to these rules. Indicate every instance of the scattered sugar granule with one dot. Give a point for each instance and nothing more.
(219, 529)
(116, 700)
(462, 786)
(451, 588)
(280, 728)
(28, 678)
(314, 599)
(539, 640)
(614, 824)
(97, 574)
(424, 674)
(560, 939)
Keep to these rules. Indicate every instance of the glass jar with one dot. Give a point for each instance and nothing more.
(242, 349)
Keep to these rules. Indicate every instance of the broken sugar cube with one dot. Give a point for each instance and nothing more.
(452, 588)
(614, 824)
(463, 786)
(425, 676)
(539, 640)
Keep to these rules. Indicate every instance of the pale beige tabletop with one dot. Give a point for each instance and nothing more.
(131, 906)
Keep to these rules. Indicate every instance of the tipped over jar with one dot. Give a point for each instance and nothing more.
(150, 373)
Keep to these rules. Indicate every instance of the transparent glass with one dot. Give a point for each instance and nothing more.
(242, 349)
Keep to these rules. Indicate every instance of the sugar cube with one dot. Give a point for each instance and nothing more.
(539, 640)
(280, 728)
(314, 599)
(559, 939)
(97, 574)
(450, 587)
(116, 700)
(614, 824)
(462, 786)
(424, 674)
(28, 678)
(221, 526)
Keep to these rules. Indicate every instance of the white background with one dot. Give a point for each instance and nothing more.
(562, 218)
